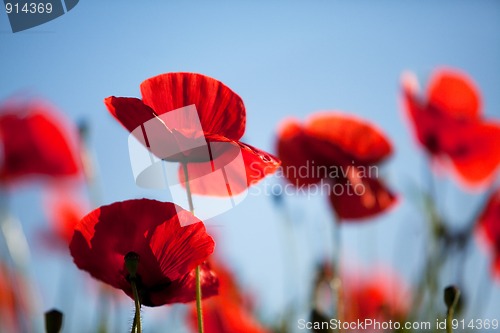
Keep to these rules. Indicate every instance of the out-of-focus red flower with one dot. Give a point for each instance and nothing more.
(377, 295)
(228, 312)
(8, 311)
(489, 229)
(448, 123)
(64, 210)
(34, 140)
(168, 253)
(341, 152)
(13, 299)
(222, 117)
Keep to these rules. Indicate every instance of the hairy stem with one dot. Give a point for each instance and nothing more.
(137, 317)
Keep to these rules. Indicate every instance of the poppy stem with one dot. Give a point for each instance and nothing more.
(451, 298)
(134, 325)
(199, 309)
(188, 188)
(132, 265)
(137, 317)
(336, 282)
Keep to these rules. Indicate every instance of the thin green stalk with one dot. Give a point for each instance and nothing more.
(188, 188)
(134, 325)
(289, 243)
(451, 312)
(199, 309)
(132, 265)
(137, 317)
(336, 282)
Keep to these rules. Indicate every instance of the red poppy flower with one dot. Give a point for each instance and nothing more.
(220, 126)
(34, 141)
(341, 152)
(228, 312)
(380, 296)
(168, 253)
(8, 311)
(448, 124)
(489, 229)
(13, 299)
(64, 210)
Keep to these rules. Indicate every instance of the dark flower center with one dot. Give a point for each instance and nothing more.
(432, 143)
(132, 264)
(146, 292)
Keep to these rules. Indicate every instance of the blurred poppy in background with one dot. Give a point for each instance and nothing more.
(228, 312)
(377, 294)
(63, 209)
(35, 140)
(221, 114)
(342, 151)
(488, 229)
(448, 123)
(168, 253)
(13, 300)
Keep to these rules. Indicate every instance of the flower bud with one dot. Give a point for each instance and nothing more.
(451, 295)
(53, 321)
(132, 263)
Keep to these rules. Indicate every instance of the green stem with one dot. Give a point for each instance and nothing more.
(137, 317)
(188, 188)
(451, 312)
(336, 282)
(199, 310)
(134, 325)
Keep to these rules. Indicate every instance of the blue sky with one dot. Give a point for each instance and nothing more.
(284, 59)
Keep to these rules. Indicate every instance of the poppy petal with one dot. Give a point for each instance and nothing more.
(16, 300)
(35, 141)
(379, 293)
(496, 267)
(236, 167)
(64, 209)
(476, 155)
(357, 201)
(292, 147)
(455, 94)
(230, 311)
(424, 123)
(184, 290)
(258, 163)
(488, 230)
(220, 110)
(191, 247)
(225, 316)
(130, 112)
(355, 137)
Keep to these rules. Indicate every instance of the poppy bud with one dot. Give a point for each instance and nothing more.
(451, 295)
(53, 321)
(132, 263)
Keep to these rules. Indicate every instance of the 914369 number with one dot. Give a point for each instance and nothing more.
(475, 324)
(28, 8)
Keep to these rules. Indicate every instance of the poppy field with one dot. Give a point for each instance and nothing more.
(251, 168)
